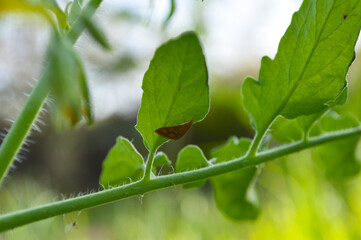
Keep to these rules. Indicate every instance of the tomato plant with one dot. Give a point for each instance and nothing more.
(291, 103)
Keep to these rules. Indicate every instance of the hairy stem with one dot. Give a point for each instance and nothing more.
(22, 217)
(23, 123)
(22, 126)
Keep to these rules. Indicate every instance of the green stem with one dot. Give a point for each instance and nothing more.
(22, 217)
(148, 168)
(23, 123)
(255, 144)
(307, 134)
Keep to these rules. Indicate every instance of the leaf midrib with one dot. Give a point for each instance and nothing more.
(178, 83)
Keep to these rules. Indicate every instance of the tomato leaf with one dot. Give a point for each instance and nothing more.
(189, 158)
(175, 88)
(285, 131)
(289, 130)
(122, 165)
(233, 193)
(161, 159)
(310, 67)
(337, 159)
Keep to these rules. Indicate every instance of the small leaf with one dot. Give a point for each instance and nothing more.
(334, 122)
(233, 193)
(306, 122)
(161, 159)
(337, 159)
(95, 31)
(175, 89)
(233, 148)
(122, 165)
(189, 158)
(291, 130)
(310, 67)
(285, 131)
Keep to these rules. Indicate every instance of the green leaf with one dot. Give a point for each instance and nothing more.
(67, 81)
(189, 158)
(175, 88)
(334, 122)
(122, 165)
(311, 64)
(161, 159)
(291, 130)
(285, 131)
(95, 31)
(306, 122)
(337, 159)
(233, 148)
(233, 193)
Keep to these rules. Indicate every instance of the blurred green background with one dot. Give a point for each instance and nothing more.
(297, 200)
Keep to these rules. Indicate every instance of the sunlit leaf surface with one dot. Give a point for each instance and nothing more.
(191, 157)
(310, 67)
(175, 88)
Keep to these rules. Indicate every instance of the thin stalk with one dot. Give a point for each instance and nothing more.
(255, 144)
(306, 133)
(22, 217)
(148, 167)
(23, 123)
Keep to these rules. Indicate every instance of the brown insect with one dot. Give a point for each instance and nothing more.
(174, 132)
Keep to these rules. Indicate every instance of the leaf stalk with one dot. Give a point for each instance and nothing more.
(148, 168)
